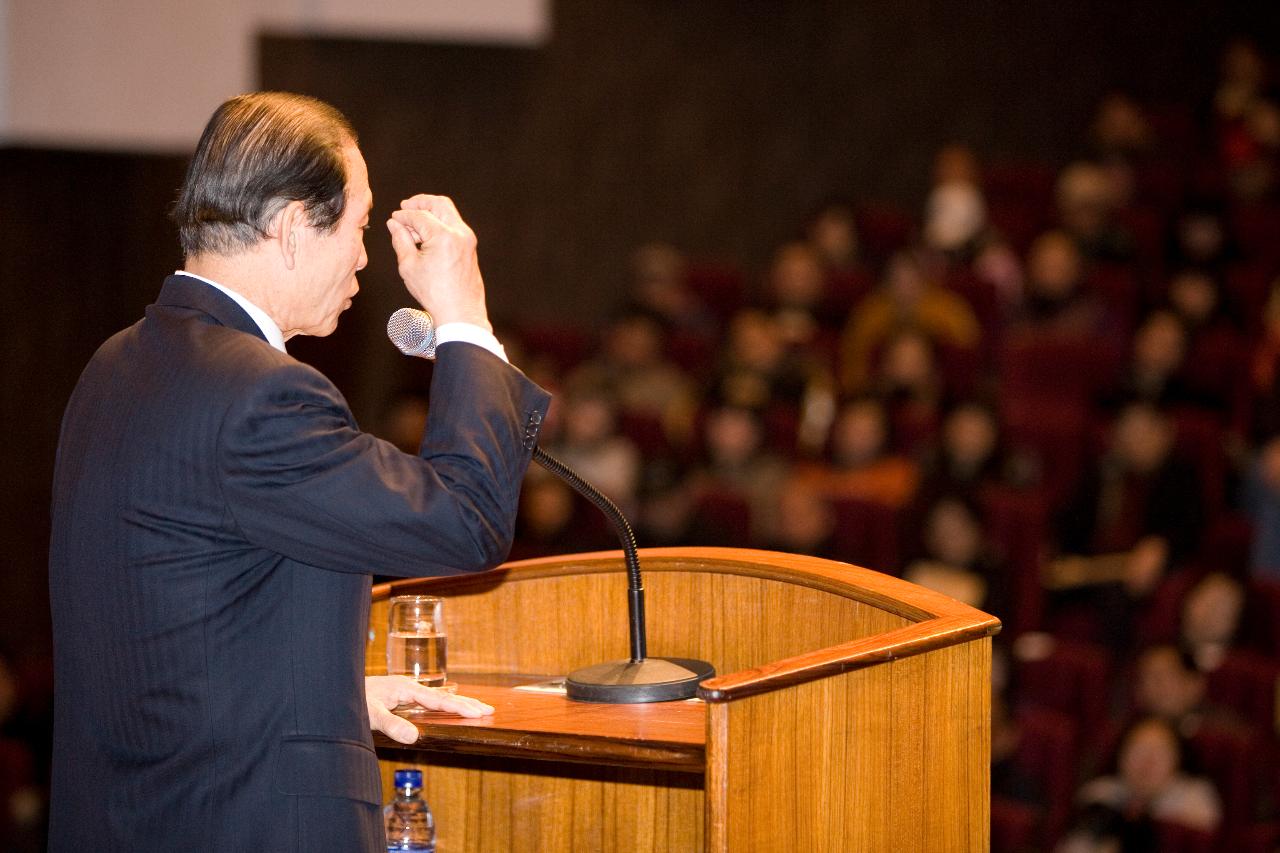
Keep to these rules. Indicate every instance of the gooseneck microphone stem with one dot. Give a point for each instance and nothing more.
(635, 587)
(642, 678)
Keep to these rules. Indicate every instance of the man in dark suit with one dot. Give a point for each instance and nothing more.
(217, 513)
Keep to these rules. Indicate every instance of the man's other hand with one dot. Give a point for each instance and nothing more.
(436, 255)
(384, 692)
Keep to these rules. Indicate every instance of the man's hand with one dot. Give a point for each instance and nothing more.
(436, 252)
(384, 692)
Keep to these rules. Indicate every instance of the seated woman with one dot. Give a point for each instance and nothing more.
(860, 464)
(1150, 784)
(970, 453)
(956, 557)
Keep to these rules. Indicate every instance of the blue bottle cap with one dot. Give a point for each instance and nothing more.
(411, 778)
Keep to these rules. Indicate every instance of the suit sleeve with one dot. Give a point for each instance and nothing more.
(300, 479)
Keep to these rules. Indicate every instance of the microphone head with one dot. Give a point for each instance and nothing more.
(413, 332)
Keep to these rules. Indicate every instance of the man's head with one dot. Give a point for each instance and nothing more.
(277, 178)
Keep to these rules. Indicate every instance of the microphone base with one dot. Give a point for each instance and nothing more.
(625, 682)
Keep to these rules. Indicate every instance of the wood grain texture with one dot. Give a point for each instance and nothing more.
(761, 618)
(487, 803)
(852, 709)
(893, 757)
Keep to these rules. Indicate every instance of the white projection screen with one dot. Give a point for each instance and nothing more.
(144, 75)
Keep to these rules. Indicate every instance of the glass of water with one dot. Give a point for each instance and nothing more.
(417, 639)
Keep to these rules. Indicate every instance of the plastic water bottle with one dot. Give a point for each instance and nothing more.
(409, 824)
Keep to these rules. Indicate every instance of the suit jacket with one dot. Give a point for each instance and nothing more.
(217, 515)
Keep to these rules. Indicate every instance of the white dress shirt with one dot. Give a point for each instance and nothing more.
(448, 333)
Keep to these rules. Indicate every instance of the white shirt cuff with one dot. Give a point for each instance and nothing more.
(471, 334)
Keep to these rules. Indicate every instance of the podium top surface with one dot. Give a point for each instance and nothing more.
(549, 726)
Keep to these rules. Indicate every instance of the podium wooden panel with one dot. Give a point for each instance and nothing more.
(851, 710)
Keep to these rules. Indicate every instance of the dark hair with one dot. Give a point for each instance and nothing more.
(259, 152)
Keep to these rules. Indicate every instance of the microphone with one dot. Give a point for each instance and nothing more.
(640, 678)
(413, 332)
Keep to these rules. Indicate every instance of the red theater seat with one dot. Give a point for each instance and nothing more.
(1246, 682)
(1049, 751)
(1016, 523)
(1175, 838)
(723, 518)
(1072, 680)
(1056, 433)
(884, 229)
(1235, 759)
(1015, 826)
(867, 534)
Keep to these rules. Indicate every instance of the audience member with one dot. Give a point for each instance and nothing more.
(1251, 151)
(1141, 503)
(970, 455)
(832, 231)
(737, 462)
(660, 286)
(1242, 80)
(806, 523)
(22, 804)
(955, 221)
(757, 369)
(590, 444)
(956, 557)
(1009, 779)
(1169, 685)
(906, 299)
(1263, 419)
(632, 365)
(1262, 502)
(1120, 130)
(552, 520)
(1088, 198)
(1211, 615)
(1199, 239)
(1153, 373)
(861, 464)
(1056, 303)
(1150, 783)
(908, 380)
(797, 296)
(404, 420)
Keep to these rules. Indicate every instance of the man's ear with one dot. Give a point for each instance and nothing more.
(287, 232)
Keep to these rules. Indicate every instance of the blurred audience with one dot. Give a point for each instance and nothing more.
(1079, 434)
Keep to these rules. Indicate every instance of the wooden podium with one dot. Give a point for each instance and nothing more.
(850, 711)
